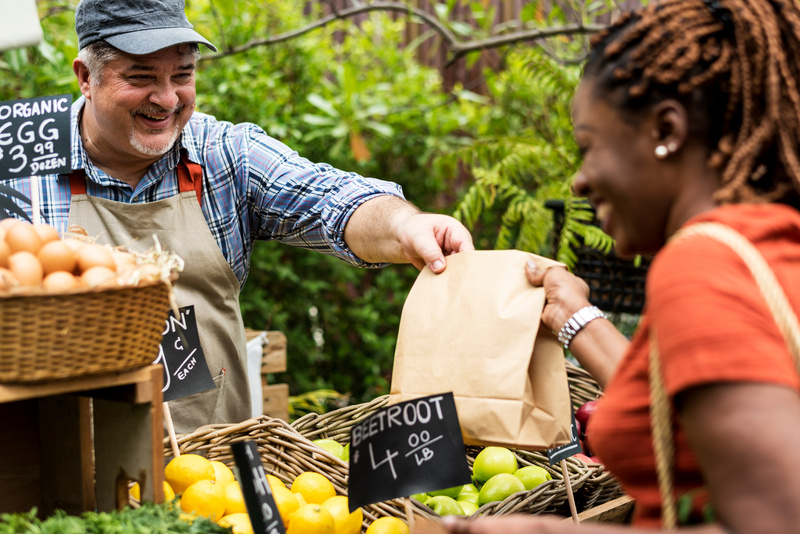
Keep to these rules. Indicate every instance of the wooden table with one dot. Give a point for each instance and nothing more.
(74, 444)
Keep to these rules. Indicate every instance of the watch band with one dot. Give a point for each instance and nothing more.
(576, 323)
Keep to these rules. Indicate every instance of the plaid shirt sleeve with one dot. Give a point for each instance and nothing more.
(261, 189)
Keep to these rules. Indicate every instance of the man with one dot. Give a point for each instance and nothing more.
(144, 163)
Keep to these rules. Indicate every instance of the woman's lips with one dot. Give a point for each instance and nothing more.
(603, 213)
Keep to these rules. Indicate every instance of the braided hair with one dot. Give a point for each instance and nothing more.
(735, 65)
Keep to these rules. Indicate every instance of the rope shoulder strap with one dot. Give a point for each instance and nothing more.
(660, 407)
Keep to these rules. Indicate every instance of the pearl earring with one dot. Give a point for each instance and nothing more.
(662, 151)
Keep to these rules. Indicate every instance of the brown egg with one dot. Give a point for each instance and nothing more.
(57, 256)
(99, 276)
(123, 259)
(26, 268)
(60, 281)
(46, 232)
(5, 252)
(8, 222)
(23, 237)
(74, 244)
(94, 255)
(7, 280)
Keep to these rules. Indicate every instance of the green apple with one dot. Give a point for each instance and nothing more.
(332, 446)
(532, 475)
(444, 505)
(421, 497)
(499, 487)
(468, 507)
(449, 492)
(468, 493)
(493, 461)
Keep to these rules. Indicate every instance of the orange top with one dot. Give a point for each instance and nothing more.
(713, 325)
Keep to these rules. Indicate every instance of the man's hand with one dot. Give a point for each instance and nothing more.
(426, 238)
(388, 229)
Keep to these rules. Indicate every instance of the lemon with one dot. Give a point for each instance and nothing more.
(239, 523)
(275, 481)
(135, 492)
(234, 499)
(286, 501)
(311, 519)
(186, 469)
(222, 472)
(387, 525)
(169, 493)
(345, 522)
(204, 498)
(300, 499)
(314, 487)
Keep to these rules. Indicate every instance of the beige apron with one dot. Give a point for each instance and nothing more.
(207, 282)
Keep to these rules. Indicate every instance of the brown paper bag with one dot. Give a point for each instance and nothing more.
(475, 330)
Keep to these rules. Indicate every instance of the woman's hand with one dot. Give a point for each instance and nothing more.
(564, 293)
(599, 345)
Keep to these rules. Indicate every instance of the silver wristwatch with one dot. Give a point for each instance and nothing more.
(575, 323)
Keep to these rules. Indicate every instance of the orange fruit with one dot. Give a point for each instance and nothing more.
(311, 519)
(314, 487)
(204, 498)
(345, 522)
(186, 469)
(387, 525)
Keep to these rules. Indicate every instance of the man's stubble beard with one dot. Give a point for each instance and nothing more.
(141, 146)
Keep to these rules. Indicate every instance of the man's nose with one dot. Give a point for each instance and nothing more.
(579, 186)
(165, 96)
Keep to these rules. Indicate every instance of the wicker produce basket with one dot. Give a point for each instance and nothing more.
(284, 453)
(54, 336)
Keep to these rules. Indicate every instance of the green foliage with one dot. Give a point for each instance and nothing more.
(525, 156)
(149, 518)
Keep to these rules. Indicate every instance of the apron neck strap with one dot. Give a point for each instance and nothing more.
(190, 178)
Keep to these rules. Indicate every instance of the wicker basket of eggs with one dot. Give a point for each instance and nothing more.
(70, 306)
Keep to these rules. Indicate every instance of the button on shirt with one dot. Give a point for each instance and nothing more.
(255, 188)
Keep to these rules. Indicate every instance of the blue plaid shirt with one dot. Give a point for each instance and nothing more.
(255, 187)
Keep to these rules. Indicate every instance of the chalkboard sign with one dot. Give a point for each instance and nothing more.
(185, 368)
(35, 136)
(572, 448)
(409, 447)
(261, 507)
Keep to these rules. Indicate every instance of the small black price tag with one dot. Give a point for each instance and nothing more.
(572, 448)
(409, 447)
(261, 507)
(185, 368)
(35, 137)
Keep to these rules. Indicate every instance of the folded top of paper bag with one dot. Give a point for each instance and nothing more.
(474, 330)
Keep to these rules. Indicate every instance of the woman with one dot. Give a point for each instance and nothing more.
(689, 112)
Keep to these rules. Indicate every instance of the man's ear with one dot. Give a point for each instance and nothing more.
(83, 76)
(670, 124)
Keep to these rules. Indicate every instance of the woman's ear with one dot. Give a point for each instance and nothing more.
(670, 124)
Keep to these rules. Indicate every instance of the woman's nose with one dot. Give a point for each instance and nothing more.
(580, 186)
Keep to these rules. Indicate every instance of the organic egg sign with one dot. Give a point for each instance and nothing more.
(185, 368)
(35, 137)
(406, 448)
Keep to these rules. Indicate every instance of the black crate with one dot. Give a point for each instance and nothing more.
(615, 285)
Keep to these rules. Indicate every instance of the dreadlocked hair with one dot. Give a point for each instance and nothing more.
(735, 65)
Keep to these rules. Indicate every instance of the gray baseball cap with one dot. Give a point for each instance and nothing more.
(137, 27)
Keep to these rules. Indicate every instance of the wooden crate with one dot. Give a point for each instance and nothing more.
(276, 396)
(73, 444)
